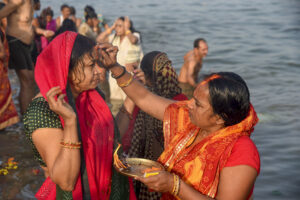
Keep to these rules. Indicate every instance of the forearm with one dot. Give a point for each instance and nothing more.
(124, 116)
(186, 192)
(191, 81)
(103, 37)
(39, 31)
(150, 103)
(8, 9)
(132, 38)
(67, 164)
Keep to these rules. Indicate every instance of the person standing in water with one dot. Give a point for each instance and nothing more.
(191, 67)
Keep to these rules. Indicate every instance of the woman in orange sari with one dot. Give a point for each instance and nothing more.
(208, 151)
(8, 112)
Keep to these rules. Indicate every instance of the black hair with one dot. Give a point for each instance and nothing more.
(67, 25)
(36, 1)
(229, 97)
(196, 42)
(64, 6)
(82, 46)
(90, 15)
(42, 18)
(147, 64)
(72, 10)
(88, 9)
(132, 29)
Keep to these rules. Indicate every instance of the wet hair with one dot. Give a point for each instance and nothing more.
(67, 25)
(229, 97)
(72, 10)
(196, 42)
(64, 6)
(82, 46)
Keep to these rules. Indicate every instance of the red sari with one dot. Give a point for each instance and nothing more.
(8, 112)
(95, 120)
(200, 165)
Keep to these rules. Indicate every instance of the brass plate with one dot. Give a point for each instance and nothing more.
(137, 166)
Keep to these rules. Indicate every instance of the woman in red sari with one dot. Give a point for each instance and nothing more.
(8, 112)
(71, 128)
(208, 151)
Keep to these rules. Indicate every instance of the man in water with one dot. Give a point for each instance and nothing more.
(191, 67)
(20, 35)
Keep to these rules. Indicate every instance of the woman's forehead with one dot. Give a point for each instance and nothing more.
(201, 92)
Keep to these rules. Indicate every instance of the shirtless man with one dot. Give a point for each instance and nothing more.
(20, 35)
(191, 67)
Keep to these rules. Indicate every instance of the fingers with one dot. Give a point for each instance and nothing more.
(53, 92)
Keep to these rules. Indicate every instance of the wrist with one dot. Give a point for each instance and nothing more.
(71, 121)
(127, 32)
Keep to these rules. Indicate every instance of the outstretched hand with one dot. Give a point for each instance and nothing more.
(107, 55)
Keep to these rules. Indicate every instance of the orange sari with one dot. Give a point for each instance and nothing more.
(8, 112)
(201, 164)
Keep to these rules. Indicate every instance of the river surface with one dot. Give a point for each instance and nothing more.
(260, 40)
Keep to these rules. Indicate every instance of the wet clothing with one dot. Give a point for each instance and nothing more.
(20, 54)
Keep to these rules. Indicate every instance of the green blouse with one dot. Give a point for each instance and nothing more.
(39, 115)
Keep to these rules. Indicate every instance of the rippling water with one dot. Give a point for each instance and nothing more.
(260, 40)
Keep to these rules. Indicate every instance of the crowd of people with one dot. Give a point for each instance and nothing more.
(86, 86)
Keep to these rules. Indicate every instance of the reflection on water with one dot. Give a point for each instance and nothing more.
(260, 40)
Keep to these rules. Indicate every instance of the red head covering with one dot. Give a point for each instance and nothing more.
(95, 119)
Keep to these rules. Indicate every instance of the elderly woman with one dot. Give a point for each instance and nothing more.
(70, 126)
(208, 152)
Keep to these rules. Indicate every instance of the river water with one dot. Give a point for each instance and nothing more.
(260, 40)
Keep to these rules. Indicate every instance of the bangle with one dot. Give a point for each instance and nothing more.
(127, 32)
(176, 185)
(127, 82)
(71, 145)
(123, 110)
(119, 76)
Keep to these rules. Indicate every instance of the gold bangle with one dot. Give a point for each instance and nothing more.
(127, 32)
(71, 145)
(127, 82)
(176, 185)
